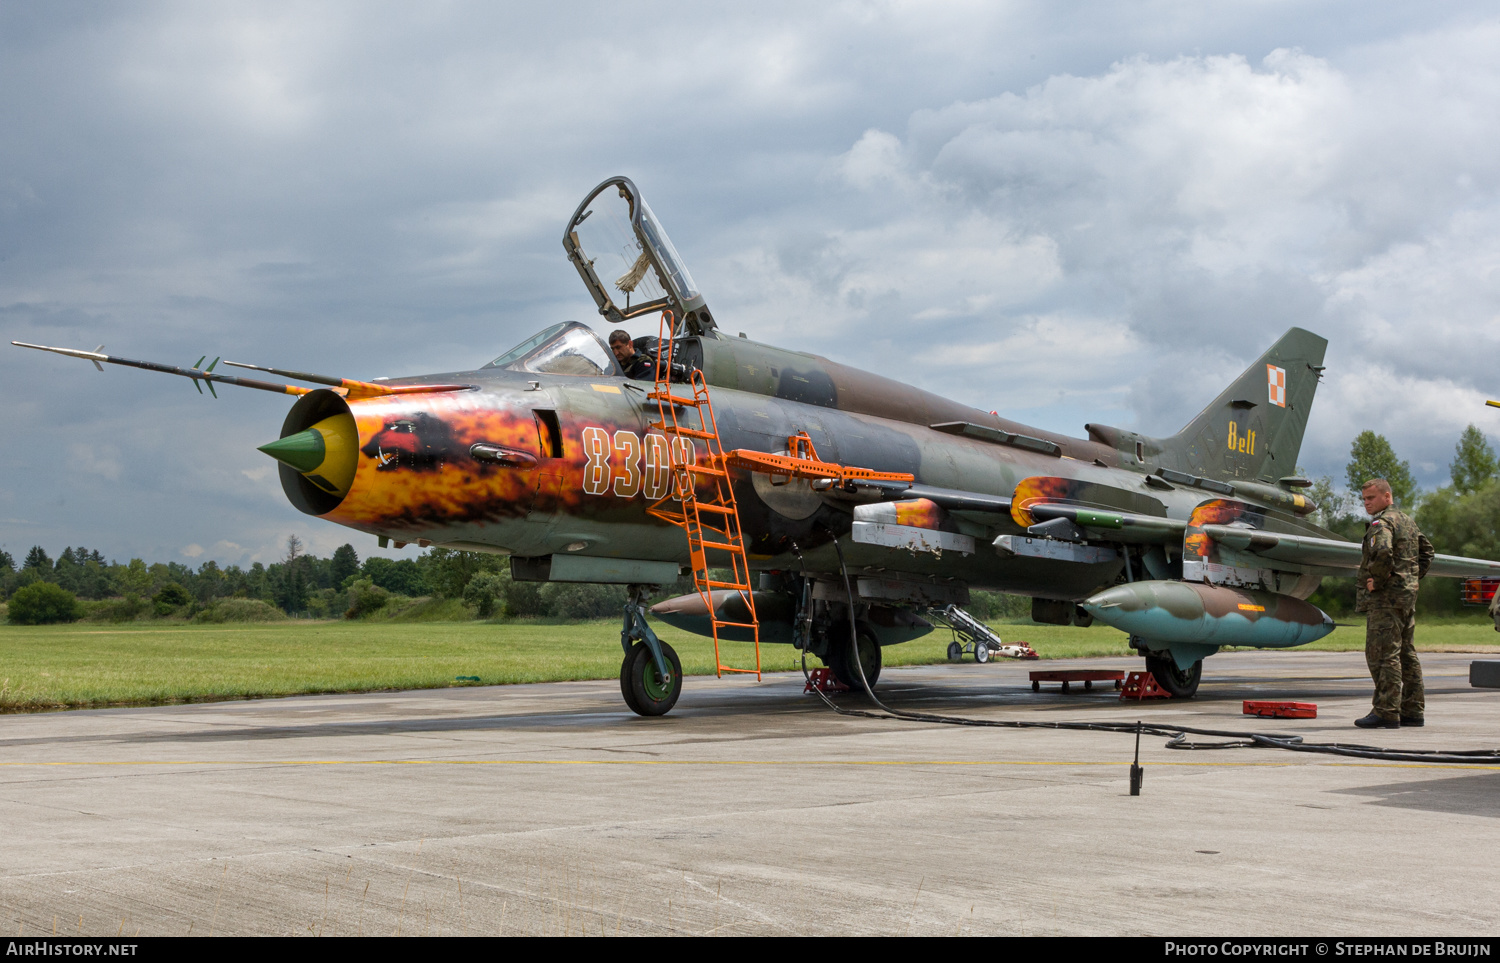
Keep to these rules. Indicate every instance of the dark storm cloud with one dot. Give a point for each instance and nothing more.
(1055, 209)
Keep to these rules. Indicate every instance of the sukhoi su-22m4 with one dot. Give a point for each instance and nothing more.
(815, 504)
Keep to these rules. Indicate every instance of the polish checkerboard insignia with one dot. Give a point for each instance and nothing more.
(1276, 380)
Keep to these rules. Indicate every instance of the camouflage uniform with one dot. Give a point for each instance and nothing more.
(1395, 555)
(639, 367)
(1495, 609)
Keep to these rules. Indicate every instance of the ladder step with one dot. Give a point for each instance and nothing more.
(723, 546)
(735, 625)
(730, 668)
(667, 396)
(705, 470)
(689, 432)
(721, 509)
(729, 585)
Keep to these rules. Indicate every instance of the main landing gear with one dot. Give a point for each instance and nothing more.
(651, 673)
(1181, 683)
(841, 660)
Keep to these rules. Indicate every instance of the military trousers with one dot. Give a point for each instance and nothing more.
(1393, 663)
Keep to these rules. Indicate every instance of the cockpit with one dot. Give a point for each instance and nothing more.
(632, 270)
(568, 348)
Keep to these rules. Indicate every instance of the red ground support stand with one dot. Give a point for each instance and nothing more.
(823, 680)
(1087, 676)
(1282, 710)
(1478, 591)
(1143, 685)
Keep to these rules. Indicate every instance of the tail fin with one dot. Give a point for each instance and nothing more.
(1253, 430)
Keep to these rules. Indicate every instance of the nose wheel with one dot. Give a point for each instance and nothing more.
(641, 683)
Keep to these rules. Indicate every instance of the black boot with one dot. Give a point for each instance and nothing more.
(1377, 721)
(1413, 722)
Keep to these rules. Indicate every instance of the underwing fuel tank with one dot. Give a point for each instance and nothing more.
(1196, 613)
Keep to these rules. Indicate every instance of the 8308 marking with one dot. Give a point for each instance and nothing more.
(643, 466)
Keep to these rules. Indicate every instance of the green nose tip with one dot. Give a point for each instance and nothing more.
(303, 451)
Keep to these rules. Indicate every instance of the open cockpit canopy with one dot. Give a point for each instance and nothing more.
(627, 261)
(568, 348)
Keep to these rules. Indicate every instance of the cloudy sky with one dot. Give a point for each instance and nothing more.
(1068, 212)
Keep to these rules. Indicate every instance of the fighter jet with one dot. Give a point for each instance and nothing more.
(815, 505)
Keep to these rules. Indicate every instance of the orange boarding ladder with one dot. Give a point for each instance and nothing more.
(707, 512)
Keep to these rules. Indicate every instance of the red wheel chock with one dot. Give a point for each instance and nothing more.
(1143, 685)
(823, 680)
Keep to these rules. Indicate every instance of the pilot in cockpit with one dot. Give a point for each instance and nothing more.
(635, 365)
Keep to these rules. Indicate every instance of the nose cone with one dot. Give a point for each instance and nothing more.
(303, 451)
(325, 454)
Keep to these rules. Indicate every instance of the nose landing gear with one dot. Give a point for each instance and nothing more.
(651, 673)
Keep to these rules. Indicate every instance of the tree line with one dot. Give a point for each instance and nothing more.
(299, 584)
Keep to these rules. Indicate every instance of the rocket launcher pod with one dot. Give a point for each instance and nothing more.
(1195, 613)
(325, 454)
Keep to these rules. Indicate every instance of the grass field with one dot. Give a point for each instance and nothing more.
(84, 665)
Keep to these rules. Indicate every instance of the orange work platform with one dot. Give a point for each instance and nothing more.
(802, 461)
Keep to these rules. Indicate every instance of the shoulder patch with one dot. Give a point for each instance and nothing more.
(1375, 523)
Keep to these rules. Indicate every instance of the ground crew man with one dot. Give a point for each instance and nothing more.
(1395, 555)
(635, 365)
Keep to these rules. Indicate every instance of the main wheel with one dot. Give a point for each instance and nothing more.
(981, 652)
(645, 691)
(840, 661)
(955, 652)
(1181, 683)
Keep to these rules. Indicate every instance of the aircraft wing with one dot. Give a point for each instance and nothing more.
(1332, 553)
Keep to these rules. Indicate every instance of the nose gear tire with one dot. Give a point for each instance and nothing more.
(645, 691)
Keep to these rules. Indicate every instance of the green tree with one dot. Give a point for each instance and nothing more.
(170, 598)
(134, 580)
(1473, 461)
(581, 600)
(365, 597)
(343, 566)
(292, 587)
(1371, 456)
(37, 559)
(6, 562)
(397, 575)
(42, 603)
(484, 590)
(1338, 511)
(447, 571)
(1460, 524)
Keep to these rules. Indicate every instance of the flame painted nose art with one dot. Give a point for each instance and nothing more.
(325, 454)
